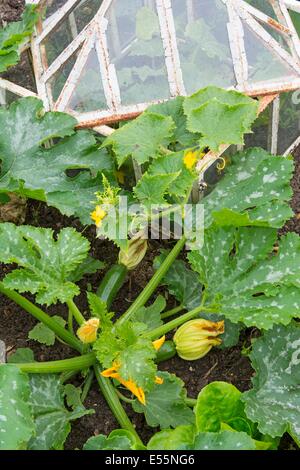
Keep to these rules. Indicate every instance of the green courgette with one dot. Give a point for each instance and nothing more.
(167, 351)
(112, 283)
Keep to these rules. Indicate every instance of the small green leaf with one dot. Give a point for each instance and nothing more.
(274, 401)
(152, 189)
(165, 404)
(14, 35)
(150, 316)
(98, 309)
(223, 440)
(43, 334)
(181, 438)
(73, 396)
(45, 263)
(141, 138)
(172, 164)
(88, 266)
(21, 355)
(16, 423)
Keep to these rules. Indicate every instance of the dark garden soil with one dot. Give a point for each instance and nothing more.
(230, 365)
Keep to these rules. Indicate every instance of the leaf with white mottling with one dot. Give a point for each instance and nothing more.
(254, 191)
(274, 401)
(16, 423)
(45, 263)
(31, 170)
(52, 419)
(244, 280)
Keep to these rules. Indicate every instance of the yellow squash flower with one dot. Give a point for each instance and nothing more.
(113, 373)
(87, 333)
(98, 215)
(190, 159)
(158, 343)
(195, 338)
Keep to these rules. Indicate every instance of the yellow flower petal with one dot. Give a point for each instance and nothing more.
(158, 343)
(98, 215)
(112, 372)
(190, 159)
(87, 333)
(159, 380)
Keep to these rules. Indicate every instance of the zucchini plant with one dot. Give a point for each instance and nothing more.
(240, 275)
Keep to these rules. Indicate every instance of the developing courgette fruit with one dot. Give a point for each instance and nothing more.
(112, 283)
(167, 351)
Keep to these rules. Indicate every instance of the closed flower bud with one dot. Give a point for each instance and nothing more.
(195, 338)
(87, 333)
(135, 252)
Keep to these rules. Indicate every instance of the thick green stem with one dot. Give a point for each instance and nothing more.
(70, 322)
(154, 281)
(55, 367)
(113, 401)
(75, 312)
(41, 316)
(172, 312)
(171, 325)
(87, 385)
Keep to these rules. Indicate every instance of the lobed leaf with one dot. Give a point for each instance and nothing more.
(45, 264)
(141, 138)
(31, 170)
(244, 280)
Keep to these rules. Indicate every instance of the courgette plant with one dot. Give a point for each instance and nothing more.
(242, 275)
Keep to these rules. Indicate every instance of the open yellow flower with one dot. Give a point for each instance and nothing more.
(190, 159)
(87, 333)
(113, 373)
(98, 215)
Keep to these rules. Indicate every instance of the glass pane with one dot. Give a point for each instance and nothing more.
(296, 20)
(136, 49)
(202, 38)
(7, 97)
(59, 79)
(69, 27)
(89, 94)
(264, 6)
(263, 64)
(289, 121)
